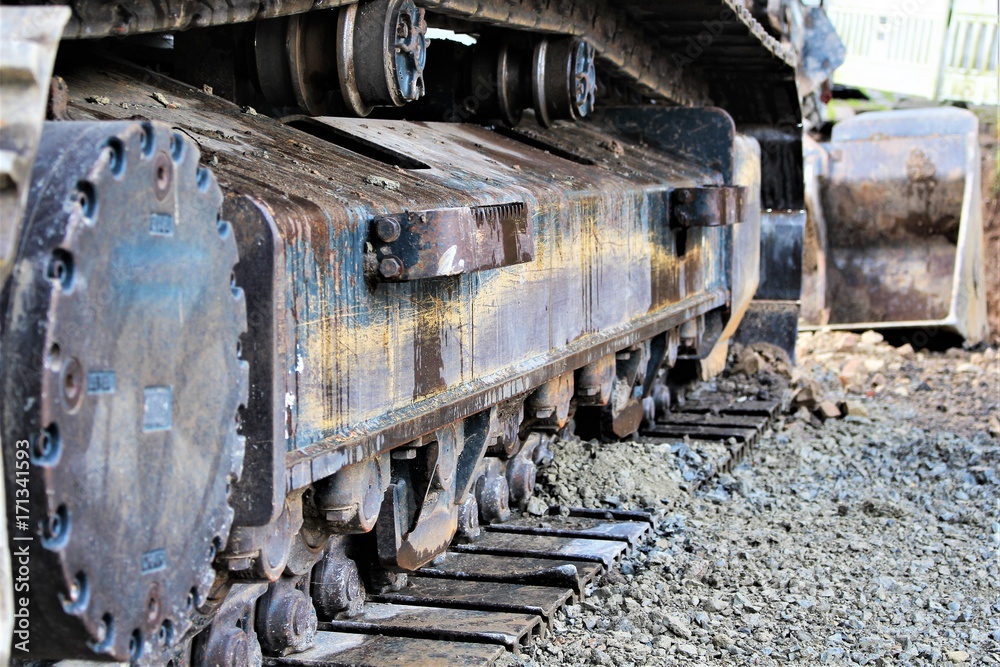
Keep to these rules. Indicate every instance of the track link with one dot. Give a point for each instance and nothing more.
(500, 593)
(736, 427)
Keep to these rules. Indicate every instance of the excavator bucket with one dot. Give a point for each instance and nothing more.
(895, 236)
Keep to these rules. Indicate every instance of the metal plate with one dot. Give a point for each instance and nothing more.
(540, 571)
(605, 552)
(696, 432)
(721, 421)
(543, 601)
(470, 625)
(560, 526)
(763, 408)
(324, 196)
(643, 516)
(342, 649)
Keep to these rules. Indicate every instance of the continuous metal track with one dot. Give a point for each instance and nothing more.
(736, 424)
(502, 591)
(498, 593)
(388, 378)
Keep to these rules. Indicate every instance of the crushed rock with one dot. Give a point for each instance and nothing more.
(873, 539)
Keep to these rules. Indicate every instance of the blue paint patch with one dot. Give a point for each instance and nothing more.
(154, 561)
(156, 408)
(101, 382)
(161, 224)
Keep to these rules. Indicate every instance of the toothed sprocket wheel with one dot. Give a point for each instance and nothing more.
(123, 382)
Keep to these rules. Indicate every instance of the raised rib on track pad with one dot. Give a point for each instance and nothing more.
(642, 516)
(344, 649)
(702, 432)
(519, 570)
(574, 526)
(725, 420)
(545, 546)
(462, 625)
(486, 595)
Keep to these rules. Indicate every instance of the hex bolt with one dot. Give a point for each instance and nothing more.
(492, 495)
(336, 587)
(584, 78)
(684, 196)
(286, 620)
(468, 520)
(388, 229)
(521, 479)
(390, 267)
(234, 647)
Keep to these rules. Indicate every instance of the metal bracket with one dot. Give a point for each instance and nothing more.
(707, 206)
(452, 241)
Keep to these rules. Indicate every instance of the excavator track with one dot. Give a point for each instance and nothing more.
(500, 593)
(332, 352)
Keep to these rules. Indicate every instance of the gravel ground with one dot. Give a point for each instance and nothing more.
(873, 538)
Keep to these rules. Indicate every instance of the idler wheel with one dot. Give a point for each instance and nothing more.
(122, 381)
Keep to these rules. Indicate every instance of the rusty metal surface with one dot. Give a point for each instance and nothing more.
(323, 198)
(698, 137)
(452, 241)
(749, 408)
(510, 630)
(542, 601)
(707, 206)
(523, 570)
(738, 421)
(559, 526)
(774, 322)
(345, 649)
(605, 552)
(97, 18)
(686, 53)
(900, 195)
(700, 432)
(122, 379)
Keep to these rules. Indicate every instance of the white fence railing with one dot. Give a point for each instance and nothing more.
(937, 49)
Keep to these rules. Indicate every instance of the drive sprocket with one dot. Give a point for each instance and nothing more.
(123, 382)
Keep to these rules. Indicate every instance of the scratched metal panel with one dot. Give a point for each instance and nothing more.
(365, 357)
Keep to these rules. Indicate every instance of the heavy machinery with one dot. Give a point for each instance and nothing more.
(294, 295)
(896, 235)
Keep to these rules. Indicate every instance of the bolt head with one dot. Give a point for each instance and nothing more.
(391, 267)
(388, 229)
